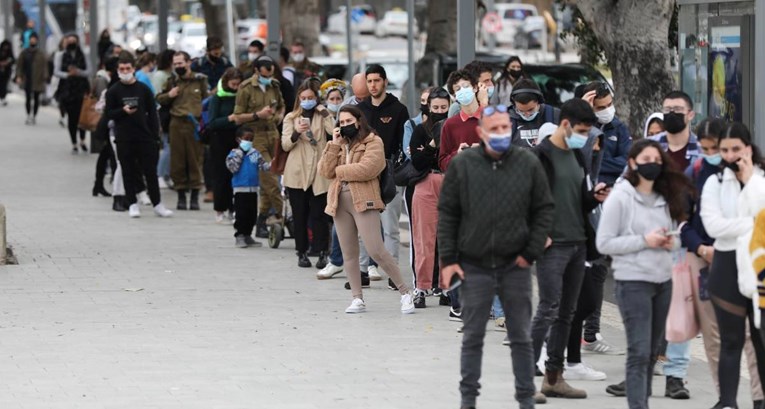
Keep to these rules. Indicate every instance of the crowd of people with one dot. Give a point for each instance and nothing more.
(493, 180)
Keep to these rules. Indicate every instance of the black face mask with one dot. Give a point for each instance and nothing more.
(730, 165)
(181, 71)
(214, 59)
(437, 117)
(674, 123)
(515, 73)
(349, 131)
(649, 171)
(71, 47)
(425, 109)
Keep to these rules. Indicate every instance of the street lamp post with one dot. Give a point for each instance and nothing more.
(162, 14)
(272, 19)
(465, 32)
(410, 89)
(230, 25)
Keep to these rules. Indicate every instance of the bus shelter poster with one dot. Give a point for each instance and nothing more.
(725, 75)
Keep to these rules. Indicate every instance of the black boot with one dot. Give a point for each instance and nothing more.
(322, 260)
(98, 189)
(118, 204)
(182, 200)
(261, 230)
(194, 200)
(676, 389)
(303, 260)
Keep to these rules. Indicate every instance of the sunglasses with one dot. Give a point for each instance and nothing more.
(493, 109)
(439, 93)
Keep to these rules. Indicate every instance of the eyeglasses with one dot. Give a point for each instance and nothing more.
(675, 110)
(493, 109)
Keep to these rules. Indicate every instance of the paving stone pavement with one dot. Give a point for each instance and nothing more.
(108, 312)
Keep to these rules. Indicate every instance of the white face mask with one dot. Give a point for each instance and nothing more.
(298, 57)
(252, 56)
(607, 115)
(125, 77)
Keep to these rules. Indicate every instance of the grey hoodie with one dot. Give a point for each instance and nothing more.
(626, 218)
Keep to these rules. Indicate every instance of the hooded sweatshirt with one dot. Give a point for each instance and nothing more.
(388, 121)
(627, 217)
(653, 116)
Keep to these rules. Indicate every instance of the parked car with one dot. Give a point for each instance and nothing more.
(193, 39)
(249, 30)
(363, 20)
(511, 17)
(394, 22)
(174, 33)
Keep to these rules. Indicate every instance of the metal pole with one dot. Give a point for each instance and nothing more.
(42, 34)
(759, 67)
(230, 25)
(93, 31)
(492, 40)
(272, 18)
(349, 72)
(7, 27)
(410, 89)
(465, 32)
(162, 9)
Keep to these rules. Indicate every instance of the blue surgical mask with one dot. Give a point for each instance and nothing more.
(527, 118)
(500, 143)
(245, 145)
(333, 107)
(713, 160)
(576, 141)
(308, 104)
(490, 90)
(264, 81)
(465, 96)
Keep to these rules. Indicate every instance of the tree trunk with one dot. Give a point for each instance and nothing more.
(215, 20)
(442, 36)
(633, 34)
(300, 21)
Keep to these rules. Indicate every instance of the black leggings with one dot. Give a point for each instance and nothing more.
(105, 158)
(32, 96)
(590, 298)
(5, 77)
(73, 108)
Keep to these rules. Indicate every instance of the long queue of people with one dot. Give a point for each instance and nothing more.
(494, 182)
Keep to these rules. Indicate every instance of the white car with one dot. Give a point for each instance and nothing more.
(396, 69)
(249, 30)
(394, 22)
(511, 17)
(193, 39)
(363, 20)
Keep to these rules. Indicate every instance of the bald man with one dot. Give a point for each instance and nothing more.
(360, 90)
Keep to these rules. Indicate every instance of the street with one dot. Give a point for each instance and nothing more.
(104, 311)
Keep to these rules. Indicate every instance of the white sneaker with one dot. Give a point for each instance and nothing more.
(134, 211)
(143, 198)
(357, 306)
(407, 303)
(220, 218)
(161, 211)
(162, 183)
(542, 358)
(328, 272)
(582, 372)
(374, 274)
(600, 346)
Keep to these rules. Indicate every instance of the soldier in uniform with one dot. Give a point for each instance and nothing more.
(184, 93)
(260, 106)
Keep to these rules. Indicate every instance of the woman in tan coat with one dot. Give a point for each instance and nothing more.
(304, 135)
(353, 161)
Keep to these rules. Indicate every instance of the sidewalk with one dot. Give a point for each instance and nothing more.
(108, 312)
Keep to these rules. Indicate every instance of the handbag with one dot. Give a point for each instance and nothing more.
(89, 117)
(404, 172)
(387, 186)
(682, 324)
(279, 160)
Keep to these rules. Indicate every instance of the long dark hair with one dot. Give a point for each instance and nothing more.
(361, 120)
(710, 128)
(435, 93)
(672, 185)
(6, 50)
(505, 75)
(737, 130)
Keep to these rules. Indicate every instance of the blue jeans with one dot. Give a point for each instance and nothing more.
(163, 165)
(496, 308)
(513, 285)
(678, 358)
(644, 307)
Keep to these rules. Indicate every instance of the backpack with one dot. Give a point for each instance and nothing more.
(697, 168)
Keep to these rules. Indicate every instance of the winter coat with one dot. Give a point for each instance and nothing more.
(303, 160)
(39, 69)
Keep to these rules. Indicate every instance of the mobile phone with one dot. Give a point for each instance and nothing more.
(305, 121)
(672, 233)
(609, 185)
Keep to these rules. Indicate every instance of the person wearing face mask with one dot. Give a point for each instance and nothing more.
(730, 201)
(616, 137)
(417, 120)
(332, 92)
(184, 93)
(483, 73)
(6, 68)
(72, 69)
(260, 106)
(304, 135)
(654, 125)
(529, 113)
(254, 50)
(637, 229)
(678, 141)
(457, 131)
(130, 104)
(512, 73)
(31, 76)
(352, 162)
(245, 163)
(222, 127)
(561, 268)
(488, 243)
(213, 64)
(304, 68)
(424, 203)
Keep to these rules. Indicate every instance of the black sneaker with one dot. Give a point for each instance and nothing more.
(392, 286)
(537, 372)
(419, 299)
(455, 314)
(444, 300)
(676, 389)
(364, 281)
(619, 389)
